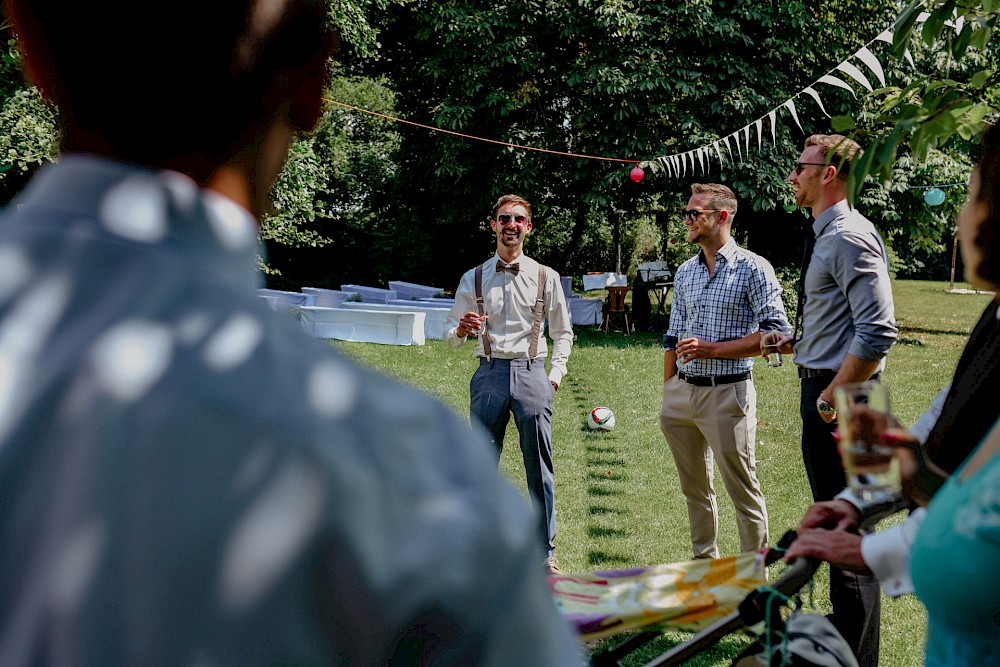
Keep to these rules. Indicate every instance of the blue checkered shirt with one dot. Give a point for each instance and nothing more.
(741, 297)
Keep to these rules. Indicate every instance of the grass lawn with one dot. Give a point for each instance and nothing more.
(617, 495)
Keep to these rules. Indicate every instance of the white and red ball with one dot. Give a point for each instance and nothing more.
(601, 419)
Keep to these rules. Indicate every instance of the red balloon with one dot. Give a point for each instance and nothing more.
(637, 174)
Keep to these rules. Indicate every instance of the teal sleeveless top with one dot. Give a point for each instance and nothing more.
(955, 564)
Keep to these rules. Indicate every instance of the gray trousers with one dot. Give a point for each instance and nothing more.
(501, 387)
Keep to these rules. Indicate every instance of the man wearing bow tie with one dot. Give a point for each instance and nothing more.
(502, 303)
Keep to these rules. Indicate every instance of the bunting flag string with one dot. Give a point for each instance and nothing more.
(838, 77)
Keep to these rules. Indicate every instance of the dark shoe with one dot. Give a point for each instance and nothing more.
(551, 566)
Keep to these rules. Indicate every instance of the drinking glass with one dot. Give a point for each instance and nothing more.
(769, 344)
(862, 416)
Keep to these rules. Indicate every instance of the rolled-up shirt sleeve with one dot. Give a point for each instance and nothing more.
(678, 311)
(860, 269)
(560, 328)
(765, 299)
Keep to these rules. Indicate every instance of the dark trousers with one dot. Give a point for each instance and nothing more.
(856, 598)
(502, 387)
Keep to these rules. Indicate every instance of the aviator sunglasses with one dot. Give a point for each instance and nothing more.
(692, 214)
(506, 218)
(800, 165)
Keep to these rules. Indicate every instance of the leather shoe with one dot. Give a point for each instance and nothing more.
(551, 566)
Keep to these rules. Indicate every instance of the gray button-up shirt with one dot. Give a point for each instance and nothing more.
(848, 308)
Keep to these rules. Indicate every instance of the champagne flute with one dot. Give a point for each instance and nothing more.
(862, 416)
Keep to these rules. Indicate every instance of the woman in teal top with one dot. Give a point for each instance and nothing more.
(954, 565)
(956, 552)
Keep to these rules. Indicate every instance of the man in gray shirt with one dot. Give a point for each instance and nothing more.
(847, 329)
(186, 478)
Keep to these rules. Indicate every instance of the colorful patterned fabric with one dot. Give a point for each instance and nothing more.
(687, 596)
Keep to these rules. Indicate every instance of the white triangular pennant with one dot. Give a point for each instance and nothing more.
(809, 91)
(701, 159)
(853, 72)
(739, 149)
(759, 123)
(729, 147)
(885, 37)
(718, 152)
(834, 81)
(791, 107)
(868, 58)
(774, 130)
(666, 164)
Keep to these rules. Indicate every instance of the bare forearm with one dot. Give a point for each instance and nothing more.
(669, 364)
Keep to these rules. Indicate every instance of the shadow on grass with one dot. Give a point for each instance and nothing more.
(720, 653)
(601, 491)
(925, 330)
(607, 475)
(596, 531)
(601, 463)
(598, 510)
(605, 560)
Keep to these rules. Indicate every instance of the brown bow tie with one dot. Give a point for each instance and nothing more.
(513, 268)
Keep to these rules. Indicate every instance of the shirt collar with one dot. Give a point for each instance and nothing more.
(727, 251)
(147, 207)
(833, 212)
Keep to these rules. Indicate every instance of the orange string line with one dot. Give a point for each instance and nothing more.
(469, 136)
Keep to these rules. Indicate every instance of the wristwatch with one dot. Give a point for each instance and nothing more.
(825, 408)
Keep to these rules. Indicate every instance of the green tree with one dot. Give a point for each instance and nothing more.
(627, 80)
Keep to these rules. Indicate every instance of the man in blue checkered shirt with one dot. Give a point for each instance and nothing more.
(724, 297)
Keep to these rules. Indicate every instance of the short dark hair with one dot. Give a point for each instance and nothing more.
(986, 155)
(843, 151)
(511, 199)
(184, 81)
(720, 196)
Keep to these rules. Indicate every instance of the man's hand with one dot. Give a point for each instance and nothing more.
(470, 324)
(837, 547)
(831, 514)
(690, 349)
(555, 387)
(786, 343)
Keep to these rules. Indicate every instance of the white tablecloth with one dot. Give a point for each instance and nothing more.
(326, 298)
(281, 300)
(366, 326)
(602, 280)
(583, 312)
(567, 285)
(371, 294)
(434, 318)
(407, 290)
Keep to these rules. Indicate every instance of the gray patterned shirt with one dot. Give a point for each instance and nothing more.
(186, 478)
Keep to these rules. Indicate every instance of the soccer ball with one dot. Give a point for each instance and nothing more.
(601, 419)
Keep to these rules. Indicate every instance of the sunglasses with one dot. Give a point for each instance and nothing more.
(799, 165)
(692, 214)
(506, 219)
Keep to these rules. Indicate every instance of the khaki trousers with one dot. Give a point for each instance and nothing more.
(706, 424)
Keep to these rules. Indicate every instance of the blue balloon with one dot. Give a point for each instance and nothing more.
(934, 197)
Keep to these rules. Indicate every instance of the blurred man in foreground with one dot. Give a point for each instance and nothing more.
(184, 477)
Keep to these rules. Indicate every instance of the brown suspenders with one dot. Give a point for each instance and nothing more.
(538, 311)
